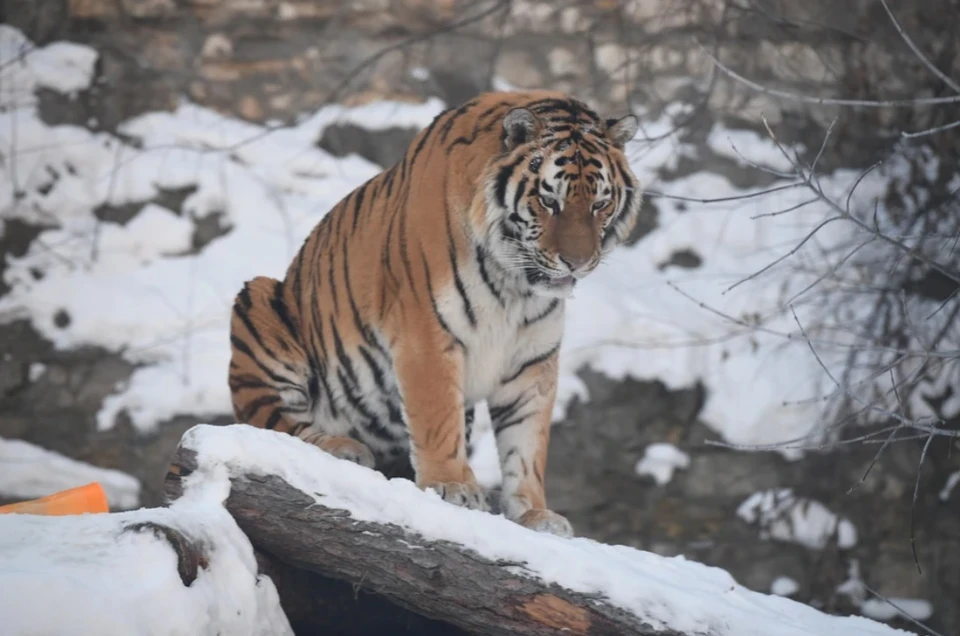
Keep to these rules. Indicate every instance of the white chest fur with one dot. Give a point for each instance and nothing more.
(505, 331)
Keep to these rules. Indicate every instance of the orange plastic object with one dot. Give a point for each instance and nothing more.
(75, 501)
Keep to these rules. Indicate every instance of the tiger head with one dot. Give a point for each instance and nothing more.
(561, 194)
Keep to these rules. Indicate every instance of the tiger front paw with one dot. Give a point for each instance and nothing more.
(543, 520)
(465, 495)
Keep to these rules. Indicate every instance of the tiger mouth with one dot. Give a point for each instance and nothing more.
(561, 281)
(549, 280)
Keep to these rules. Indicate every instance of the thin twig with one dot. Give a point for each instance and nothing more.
(916, 51)
(826, 101)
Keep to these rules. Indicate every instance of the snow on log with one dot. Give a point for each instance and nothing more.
(473, 570)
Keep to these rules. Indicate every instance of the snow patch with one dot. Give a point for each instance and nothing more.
(881, 609)
(36, 371)
(784, 586)
(64, 67)
(28, 471)
(783, 516)
(660, 461)
(888, 609)
(950, 484)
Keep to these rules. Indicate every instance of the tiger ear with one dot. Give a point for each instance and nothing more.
(620, 131)
(519, 127)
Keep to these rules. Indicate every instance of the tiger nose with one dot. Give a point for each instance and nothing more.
(574, 263)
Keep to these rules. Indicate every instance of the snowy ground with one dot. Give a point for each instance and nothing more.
(28, 472)
(136, 289)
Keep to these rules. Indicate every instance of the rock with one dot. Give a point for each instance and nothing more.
(383, 147)
(519, 69)
(148, 8)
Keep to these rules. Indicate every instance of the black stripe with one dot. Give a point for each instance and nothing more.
(424, 138)
(508, 424)
(342, 358)
(280, 308)
(433, 303)
(274, 419)
(372, 423)
(521, 188)
(298, 278)
(243, 347)
(507, 415)
(394, 413)
(478, 127)
(468, 418)
(375, 369)
(387, 268)
(546, 312)
(481, 261)
(248, 381)
(358, 203)
(322, 364)
(313, 385)
(331, 270)
(405, 256)
(388, 180)
(503, 178)
(507, 410)
(531, 362)
(353, 399)
(252, 408)
(454, 117)
(457, 281)
(244, 296)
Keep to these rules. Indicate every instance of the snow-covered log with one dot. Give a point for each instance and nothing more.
(473, 570)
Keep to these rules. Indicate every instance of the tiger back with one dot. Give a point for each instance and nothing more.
(438, 284)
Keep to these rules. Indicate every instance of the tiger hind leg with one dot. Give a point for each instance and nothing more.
(272, 384)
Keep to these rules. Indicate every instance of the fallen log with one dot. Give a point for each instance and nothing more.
(436, 579)
(307, 512)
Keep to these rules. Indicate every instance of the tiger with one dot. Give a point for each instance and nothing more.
(437, 285)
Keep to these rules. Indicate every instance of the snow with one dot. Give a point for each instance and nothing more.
(881, 608)
(783, 516)
(167, 309)
(669, 592)
(887, 609)
(660, 461)
(85, 574)
(62, 66)
(952, 480)
(36, 371)
(28, 471)
(784, 586)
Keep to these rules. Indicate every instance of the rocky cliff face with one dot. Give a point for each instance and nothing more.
(274, 61)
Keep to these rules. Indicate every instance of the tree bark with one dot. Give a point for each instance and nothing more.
(430, 581)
